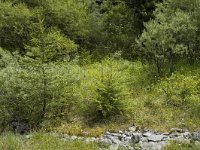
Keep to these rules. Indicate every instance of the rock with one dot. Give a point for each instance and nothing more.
(176, 130)
(187, 135)
(133, 129)
(155, 138)
(105, 141)
(166, 138)
(114, 147)
(116, 134)
(74, 137)
(136, 137)
(115, 141)
(128, 133)
(196, 136)
(129, 138)
(107, 133)
(144, 139)
(121, 132)
(166, 133)
(153, 145)
(147, 134)
(174, 135)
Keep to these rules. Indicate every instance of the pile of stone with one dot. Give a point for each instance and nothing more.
(141, 140)
(148, 139)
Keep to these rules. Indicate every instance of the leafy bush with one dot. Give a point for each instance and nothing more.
(14, 25)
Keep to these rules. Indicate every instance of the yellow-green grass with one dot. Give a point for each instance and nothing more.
(41, 141)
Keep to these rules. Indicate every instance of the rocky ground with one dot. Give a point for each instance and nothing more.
(140, 140)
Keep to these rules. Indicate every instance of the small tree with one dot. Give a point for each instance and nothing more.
(112, 92)
(45, 46)
(168, 38)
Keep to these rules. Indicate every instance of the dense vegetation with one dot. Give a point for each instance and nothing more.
(75, 65)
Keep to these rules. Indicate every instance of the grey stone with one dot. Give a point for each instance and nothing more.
(174, 135)
(116, 134)
(114, 147)
(176, 130)
(129, 139)
(136, 137)
(128, 133)
(153, 145)
(166, 138)
(147, 134)
(74, 137)
(105, 141)
(166, 133)
(155, 138)
(121, 132)
(196, 136)
(115, 141)
(107, 133)
(187, 135)
(144, 139)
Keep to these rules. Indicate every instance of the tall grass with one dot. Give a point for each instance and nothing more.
(41, 141)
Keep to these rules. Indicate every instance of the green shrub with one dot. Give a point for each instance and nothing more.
(25, 97)
(108, 91)
(181, 91)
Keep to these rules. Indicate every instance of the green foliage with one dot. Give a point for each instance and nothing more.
(169, 37)
(69, 16)
(181, 91)
(47, 46)
(14, 24)
(142, 10)
(110, 101)
(110, 29)
(106, 98)
(24, 95)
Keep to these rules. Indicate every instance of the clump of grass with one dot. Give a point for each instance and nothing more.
(175, 146)
(42, 141)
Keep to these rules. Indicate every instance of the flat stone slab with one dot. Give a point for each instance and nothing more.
(147, 134)
(155, 138)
